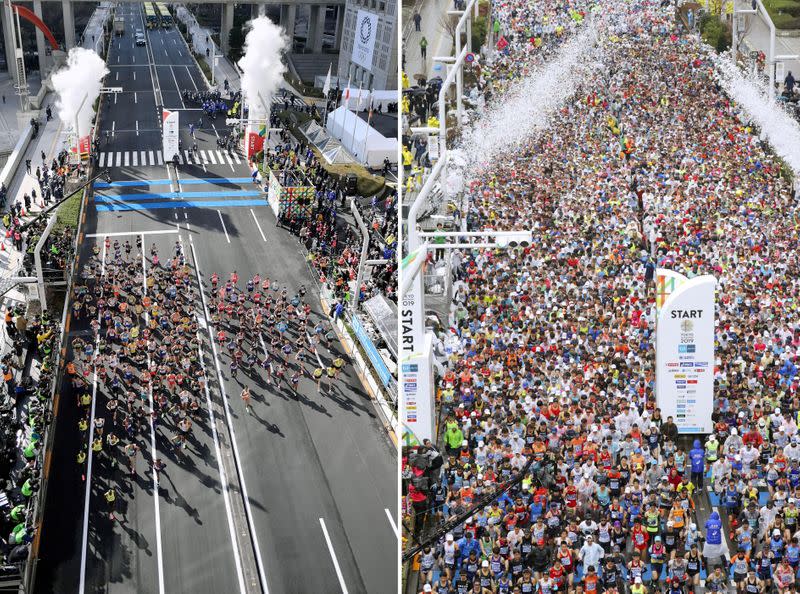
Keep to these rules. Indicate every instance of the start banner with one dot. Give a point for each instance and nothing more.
(685, 352)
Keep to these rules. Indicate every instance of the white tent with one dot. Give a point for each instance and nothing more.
(383, 98)
(363, 141)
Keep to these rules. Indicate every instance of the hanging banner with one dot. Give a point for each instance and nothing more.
(169, 120)
(685, 353)
(417, 395)
(84, 146)
(364, 42)
(255, 140)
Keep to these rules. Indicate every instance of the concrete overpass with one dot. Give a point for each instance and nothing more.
(288, 13)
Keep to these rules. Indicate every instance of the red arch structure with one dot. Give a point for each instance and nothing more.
(28, 15)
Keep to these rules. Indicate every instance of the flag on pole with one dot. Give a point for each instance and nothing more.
(326, 88)
(347, 95)
(360, 93)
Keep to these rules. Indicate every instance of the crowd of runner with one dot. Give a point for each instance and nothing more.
(265, 330)
(142, 353)
(551, 356)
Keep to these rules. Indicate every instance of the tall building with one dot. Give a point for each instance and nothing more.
(368, 55)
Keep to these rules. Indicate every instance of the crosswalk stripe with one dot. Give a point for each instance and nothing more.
(236, 158)
(150, 155)
(102, 159)
(119, 159)
(135, 159)
(186, 155)
(160, 160)
(212, 157)
(228, 157)
(127, 159)
(143, 158)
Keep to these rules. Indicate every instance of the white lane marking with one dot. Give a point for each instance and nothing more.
(117, 59)
(212, 125)
(135, 97)
(177, 88)
(115, 98)
(204, 168)
(236, 158)
(102, 159)
(176, 218)
(89, 457)
(135, 159)
(125, 233)
(391, 521)
(156, 496)
(137, 127)
(178, 179)
(127, 159)
(228, 157)
(187, 159)
(119, 159)
(221, 220)
(223, 479)
(134, 58)
(212, 158)
(117, 78)
(134, 75)
(316, 352)
(143, 158)
(160, 160)
(191, 78)
(260, 230)
(150, 158)
(113, 127)
(226, 408)
(333, 556)
(203, 157)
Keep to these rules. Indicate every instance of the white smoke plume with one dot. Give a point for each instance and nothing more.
(777, 126)
(262, 68)
(528, 108)
(81, 78)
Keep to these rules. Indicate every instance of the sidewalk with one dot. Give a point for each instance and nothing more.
(93, 34)
(440, 43)
(202, 43)
(51, 140)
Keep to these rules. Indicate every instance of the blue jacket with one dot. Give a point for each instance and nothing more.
(714, 529)
(697, 456)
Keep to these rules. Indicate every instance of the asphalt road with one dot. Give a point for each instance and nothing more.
(306, 486)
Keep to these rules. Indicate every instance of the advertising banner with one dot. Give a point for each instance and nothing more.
(374, 356)
(416, 395)
(274, 194)
(84, 146)
(170, 133)
(364, 42)
(685, 353)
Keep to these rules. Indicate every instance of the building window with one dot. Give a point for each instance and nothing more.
(382, 6)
